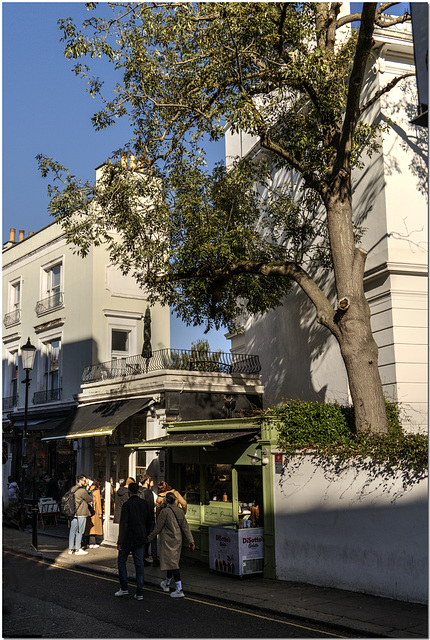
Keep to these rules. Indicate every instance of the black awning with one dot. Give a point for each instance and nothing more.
(200, 439)
(41, 424)
(99, 419)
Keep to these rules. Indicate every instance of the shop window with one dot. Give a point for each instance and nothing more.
(218, 482)
(190, 483)
(140, 463)
(250, 493)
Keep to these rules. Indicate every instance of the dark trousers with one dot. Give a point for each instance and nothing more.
(137, 553)
(153, 544)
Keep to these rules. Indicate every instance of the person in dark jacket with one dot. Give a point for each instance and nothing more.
(120, 498)
(134, 527)
(146, 493)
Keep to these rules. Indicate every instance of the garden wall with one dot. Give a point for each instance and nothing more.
(355, 531)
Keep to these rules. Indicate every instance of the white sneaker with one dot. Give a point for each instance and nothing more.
(81, 552)
(70, 552)
(122, 592)
(177, 594)
(165, 586)
(94, 546)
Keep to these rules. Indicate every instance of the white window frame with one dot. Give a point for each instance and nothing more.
(48, 373)
(46, 289)
(44, 340)
(122, 321)
(11, 364)
(14, 302)
(14, 286)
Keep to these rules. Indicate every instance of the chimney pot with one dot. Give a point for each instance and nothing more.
(123, 160)
(30, 233)
(12, 235)
(21, 235)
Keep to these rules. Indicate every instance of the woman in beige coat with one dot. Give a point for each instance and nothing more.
(94, 524)
(170, 525)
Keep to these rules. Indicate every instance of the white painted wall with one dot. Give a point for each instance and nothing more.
(352, 532)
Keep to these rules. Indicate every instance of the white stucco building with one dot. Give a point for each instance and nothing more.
(299, 358)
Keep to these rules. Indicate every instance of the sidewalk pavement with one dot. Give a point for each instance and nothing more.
(358, 613)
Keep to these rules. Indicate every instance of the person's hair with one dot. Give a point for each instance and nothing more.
(145, 478)
(163, 486)
(129, 481)
(133, 487)
(81, 476)
(170, 498)
(96, 484)
(11, 479)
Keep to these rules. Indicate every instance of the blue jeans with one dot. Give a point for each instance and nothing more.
(77, 528)
(137, 553)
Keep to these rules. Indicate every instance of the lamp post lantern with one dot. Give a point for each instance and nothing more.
(28, 354)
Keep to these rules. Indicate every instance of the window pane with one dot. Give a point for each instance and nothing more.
(16, 295)
(54, 356)
(119, 340)
(56, 277)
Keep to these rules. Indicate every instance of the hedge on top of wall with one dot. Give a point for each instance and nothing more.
(326, 431)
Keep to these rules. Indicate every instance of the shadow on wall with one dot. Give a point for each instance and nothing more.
(333, 531)
(299, 358)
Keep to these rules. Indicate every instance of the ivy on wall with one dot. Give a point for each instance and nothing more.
(326, 431)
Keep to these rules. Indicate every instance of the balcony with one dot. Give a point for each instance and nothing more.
(56, 301)
(173, 359)
(11, 318)
(10, 402)
(51, 395)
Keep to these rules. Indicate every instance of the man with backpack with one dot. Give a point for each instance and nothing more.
(79, 519)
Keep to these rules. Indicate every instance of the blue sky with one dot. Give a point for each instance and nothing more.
(47, 110)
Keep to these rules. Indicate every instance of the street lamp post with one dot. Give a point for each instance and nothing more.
(28, 353)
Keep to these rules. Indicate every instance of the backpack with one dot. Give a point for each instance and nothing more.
(68, 505)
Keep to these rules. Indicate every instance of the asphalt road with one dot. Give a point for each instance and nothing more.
(45, 600)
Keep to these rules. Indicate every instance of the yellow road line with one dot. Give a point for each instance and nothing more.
(154, 589)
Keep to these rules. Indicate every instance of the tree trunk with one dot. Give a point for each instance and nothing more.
(358, 347)
(360, 354)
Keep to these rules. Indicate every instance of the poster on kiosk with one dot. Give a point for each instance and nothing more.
(236, 551)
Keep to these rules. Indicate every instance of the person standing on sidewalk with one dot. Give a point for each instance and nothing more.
(77, 524)
(170, 525)
(94, 524)
(146, 493)
(134, 526)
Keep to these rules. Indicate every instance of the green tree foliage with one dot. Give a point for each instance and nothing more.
(326, 432)
(215, 243)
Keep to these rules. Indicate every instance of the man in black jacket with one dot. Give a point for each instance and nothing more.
(146, 493)
(134, 527)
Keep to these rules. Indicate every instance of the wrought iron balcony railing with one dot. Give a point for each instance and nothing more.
(51, 395)
(55, 301)
(9, 402)
(13, 317)
(178, 359)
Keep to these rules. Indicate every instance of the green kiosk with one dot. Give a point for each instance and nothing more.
(224, 469)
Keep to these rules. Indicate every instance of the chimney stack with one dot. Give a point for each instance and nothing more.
(12, 235)
(30, 233)
(21, 235)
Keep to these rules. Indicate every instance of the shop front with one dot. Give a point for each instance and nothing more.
(224, 469)
(97, 433)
